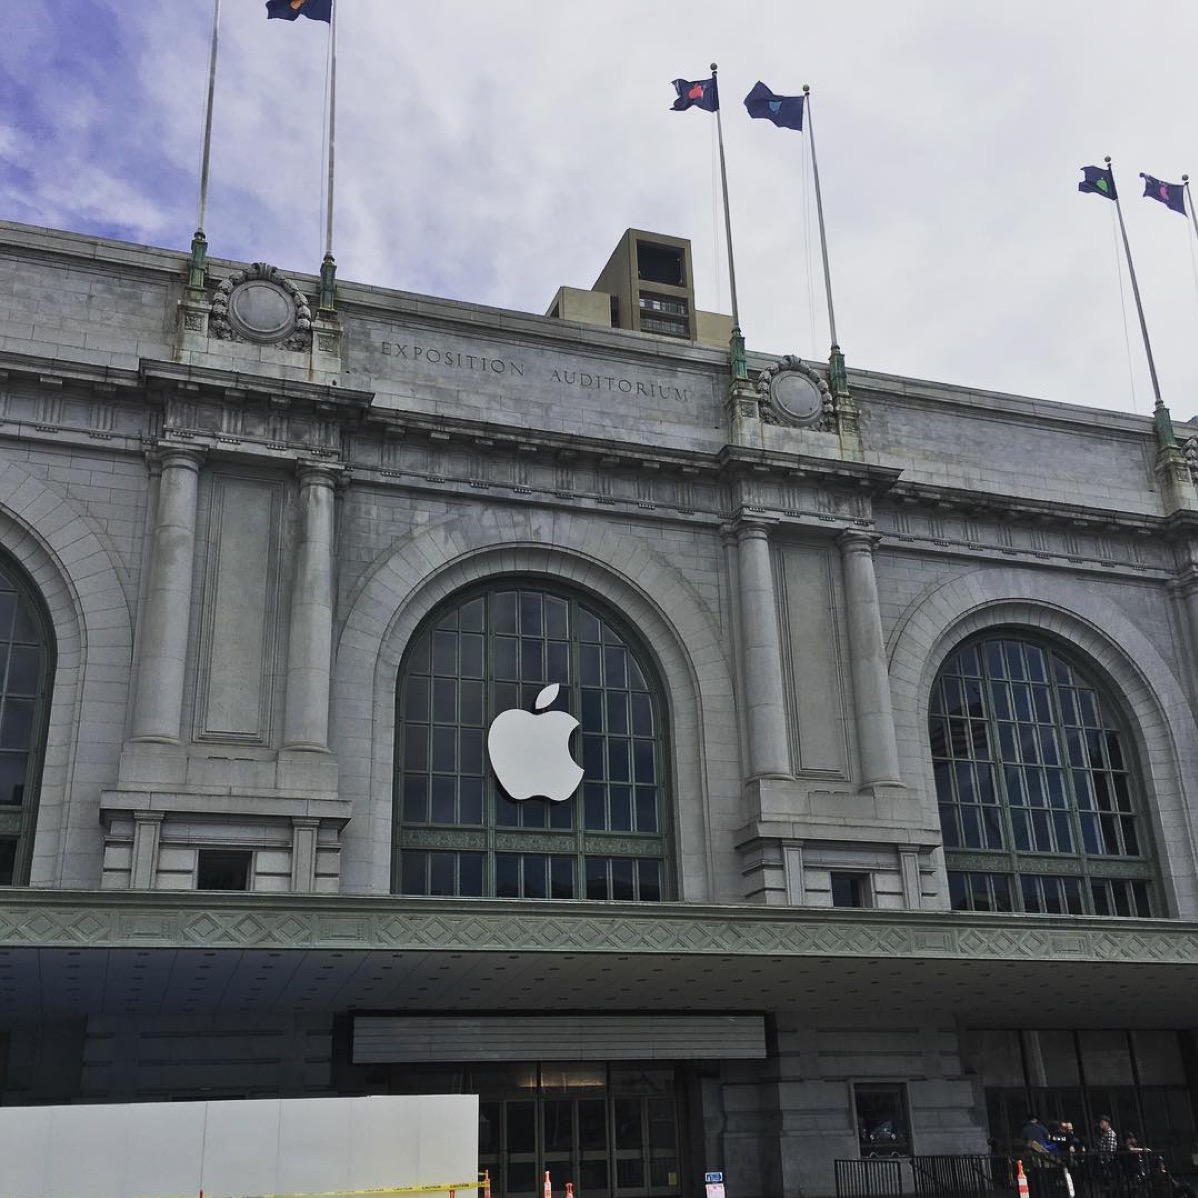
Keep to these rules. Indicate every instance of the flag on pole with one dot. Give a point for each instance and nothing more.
(288, 10)
(1172, 195)
(1100, 180)
(696, 93)
(785, 111)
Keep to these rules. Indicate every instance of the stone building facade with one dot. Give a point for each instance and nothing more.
(887, 699)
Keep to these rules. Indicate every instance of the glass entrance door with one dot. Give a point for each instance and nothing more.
(613, 1133)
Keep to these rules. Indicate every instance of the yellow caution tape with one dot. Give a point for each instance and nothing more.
(429, 1189)
(435, 1189)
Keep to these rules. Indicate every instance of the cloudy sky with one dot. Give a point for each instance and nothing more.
(491, 152)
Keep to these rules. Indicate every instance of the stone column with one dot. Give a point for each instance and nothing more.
(876, 739)
(310, 645)
(764, 699)
(166, 616)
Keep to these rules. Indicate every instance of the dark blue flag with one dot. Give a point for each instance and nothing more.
(696, 93)
(1172, 195)
(288, 10)
(1100, 180)
(785, 111)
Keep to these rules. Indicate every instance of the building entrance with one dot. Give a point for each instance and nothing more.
(613, 1130)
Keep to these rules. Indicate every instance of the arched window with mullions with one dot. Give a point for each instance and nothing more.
(493, 649)
(26, 670)
(1041, 805)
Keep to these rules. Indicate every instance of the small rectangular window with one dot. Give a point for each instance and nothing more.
(224, 869)
(8, 859)
(850, 890)
(882, 1128)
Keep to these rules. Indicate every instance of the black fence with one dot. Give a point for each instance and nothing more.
(1123, 1175)
(871, 1177)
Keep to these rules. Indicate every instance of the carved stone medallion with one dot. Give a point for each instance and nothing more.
(792, 393)
(259, 304)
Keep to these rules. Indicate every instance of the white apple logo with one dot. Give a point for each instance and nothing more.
(530, 754)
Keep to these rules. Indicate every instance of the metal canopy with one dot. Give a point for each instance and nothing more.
(74, 954)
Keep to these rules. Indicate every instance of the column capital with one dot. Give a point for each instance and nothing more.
(318, 474)
(858, 540)
(180, 457)
(1186, 582)
(750, 527)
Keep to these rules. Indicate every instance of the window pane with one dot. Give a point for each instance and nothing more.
(412, 868)
(507, 875)
(646, 809)
(441, 873)
(596, 878)
(536, 884)
(13, 767)
(621, 808)
(415, 798)
(470, 874)
(621, 879)
(16, 724)
(562, 877)
(649, 879)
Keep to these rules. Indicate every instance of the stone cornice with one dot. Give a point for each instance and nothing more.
(75, 919)
(53, 373)
(740, 462)
(231, 385)
(1014, 507)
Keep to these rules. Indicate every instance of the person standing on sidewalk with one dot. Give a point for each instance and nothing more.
(1108, 1141)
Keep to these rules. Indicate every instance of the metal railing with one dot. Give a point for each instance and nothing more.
(871, 1177)
(1091, 1175)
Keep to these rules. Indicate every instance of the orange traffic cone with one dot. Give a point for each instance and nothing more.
(548, 1186)
(486, 1183)
(1020, 1181)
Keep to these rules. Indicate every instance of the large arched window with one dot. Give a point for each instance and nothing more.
(26, 664)
(456, 831)
(1040, 804)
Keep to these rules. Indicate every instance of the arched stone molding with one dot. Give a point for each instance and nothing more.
(82, 587)
(1138, 675)
(437, 560)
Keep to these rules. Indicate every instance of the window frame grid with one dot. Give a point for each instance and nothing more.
(584, 628)
(1038, 736)
(19, 820)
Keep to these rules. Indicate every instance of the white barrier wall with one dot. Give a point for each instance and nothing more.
(238, 1148)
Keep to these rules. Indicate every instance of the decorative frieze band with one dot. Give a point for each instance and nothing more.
(140, 921)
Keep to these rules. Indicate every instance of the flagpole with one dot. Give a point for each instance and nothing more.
(328, 268)
(1185, 182)
(198, 242)
(819, 208)
(719, 124)
(739, 365)
(1135, 290)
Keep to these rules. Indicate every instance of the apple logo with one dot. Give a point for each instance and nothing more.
(530, 753)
